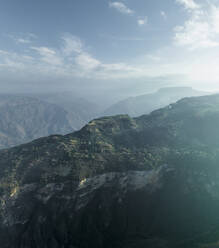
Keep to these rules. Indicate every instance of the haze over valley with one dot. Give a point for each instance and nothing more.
(109, 124)
(25, 117)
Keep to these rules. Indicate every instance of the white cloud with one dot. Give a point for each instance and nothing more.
(73, 47)
(24, 41)
(188, 4)
(71, 44)
(48, 55)
(214, 19)
(142, 21)
(163, 14)
(201, 30)
(87, 62)
(53, 63)
(153, 57)
(25, 38)
(121, 7)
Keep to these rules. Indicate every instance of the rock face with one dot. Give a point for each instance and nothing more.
(112, 198)
(150, 182)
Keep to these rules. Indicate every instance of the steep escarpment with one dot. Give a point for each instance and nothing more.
(118, 182)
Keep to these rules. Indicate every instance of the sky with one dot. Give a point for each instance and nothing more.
(106, 46)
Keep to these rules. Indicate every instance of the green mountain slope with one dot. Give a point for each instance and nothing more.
(151, 181)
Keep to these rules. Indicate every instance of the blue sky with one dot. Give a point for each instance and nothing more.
(130, 45)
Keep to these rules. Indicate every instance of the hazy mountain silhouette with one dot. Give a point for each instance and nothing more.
(144, 104)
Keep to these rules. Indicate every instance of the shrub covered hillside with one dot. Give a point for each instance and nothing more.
(151, 181)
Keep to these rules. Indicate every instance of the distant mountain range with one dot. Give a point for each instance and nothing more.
(79, 110)
(144, 104)
(119, 182)
(24, 118)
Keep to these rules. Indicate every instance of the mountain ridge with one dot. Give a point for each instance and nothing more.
(25, 118)
(144, 104)
(118, 182)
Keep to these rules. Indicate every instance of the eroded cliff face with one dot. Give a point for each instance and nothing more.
(117, 209)
(94, 212)
(150, 182)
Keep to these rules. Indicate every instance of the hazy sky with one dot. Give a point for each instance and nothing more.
(128, 46)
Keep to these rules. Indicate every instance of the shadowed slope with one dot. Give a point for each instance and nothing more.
(151, 182)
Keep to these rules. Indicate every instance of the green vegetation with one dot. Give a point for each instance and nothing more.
(184, 136)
